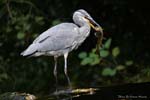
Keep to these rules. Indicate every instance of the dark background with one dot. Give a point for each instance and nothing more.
(125, 22)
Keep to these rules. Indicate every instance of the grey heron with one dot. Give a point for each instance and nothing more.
(61, 39)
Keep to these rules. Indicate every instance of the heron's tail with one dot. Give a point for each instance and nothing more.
(30, 50)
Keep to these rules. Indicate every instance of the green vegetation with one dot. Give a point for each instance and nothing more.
(107, 60)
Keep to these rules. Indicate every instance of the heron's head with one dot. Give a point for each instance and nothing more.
(81, 15)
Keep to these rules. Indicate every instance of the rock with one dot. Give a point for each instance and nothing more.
(17, 96)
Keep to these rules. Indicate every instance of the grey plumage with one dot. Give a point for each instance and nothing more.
(54, 40)
(63, 38)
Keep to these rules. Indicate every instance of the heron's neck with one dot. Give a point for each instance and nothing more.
(85, 29)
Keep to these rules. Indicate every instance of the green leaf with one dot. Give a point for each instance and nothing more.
(94, 50)
(82, 55)
(17, 27)
(104, 53)
(55, 22)
(95, 61)
(93, 55)
(108, 72)
(20, 35)
(8, 29)
(107, 43)
(115, 51)
(86, 61)
(129, 63)
(120, 67)
(38, 18)
(3, 76)
(27, 27)
(35, 35)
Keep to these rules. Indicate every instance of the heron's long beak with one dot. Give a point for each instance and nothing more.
(94, 25)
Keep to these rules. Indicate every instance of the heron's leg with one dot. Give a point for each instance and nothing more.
(65, 70)
(55, 72)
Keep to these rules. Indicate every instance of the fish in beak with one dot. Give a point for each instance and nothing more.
(98, 34)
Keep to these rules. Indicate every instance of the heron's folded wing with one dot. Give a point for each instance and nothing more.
(59, 42)
(58, 29)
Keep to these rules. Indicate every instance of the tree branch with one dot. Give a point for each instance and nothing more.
(8, 9)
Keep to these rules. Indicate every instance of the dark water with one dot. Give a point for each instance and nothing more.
(137, 91)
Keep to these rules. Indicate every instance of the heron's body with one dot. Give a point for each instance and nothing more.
(63, 38)
(58, 40)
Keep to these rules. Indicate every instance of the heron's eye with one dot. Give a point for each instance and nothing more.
(86, 17)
